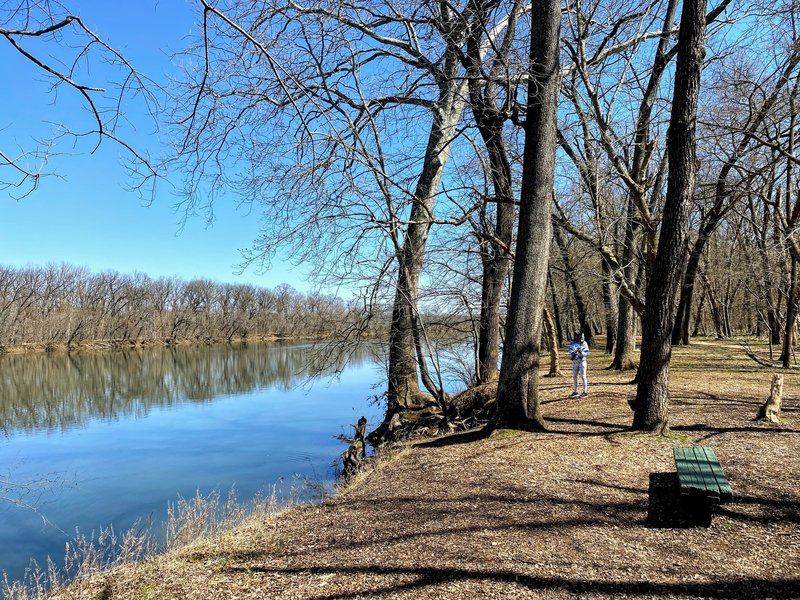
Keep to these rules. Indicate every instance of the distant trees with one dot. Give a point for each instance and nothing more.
(64, 306)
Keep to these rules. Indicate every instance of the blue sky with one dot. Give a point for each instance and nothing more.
(85, 214)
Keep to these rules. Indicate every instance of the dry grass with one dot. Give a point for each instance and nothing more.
(89, 558)
(585, 510)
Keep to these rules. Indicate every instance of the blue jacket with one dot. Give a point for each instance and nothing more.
(578, 350)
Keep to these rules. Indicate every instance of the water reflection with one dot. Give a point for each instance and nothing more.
(132, 431)
(58, 392)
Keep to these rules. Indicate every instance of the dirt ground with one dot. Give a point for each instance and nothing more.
(586, 510)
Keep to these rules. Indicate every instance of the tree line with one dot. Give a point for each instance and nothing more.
(628, 165)
(63, 306)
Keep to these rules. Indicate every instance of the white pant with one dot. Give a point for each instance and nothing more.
(579, 367)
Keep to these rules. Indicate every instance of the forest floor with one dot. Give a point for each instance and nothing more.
(585, 510)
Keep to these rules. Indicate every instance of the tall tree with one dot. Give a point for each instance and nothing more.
(594, 94)
(346, 165)
(518, 387)
(652, 393)
(490, 90)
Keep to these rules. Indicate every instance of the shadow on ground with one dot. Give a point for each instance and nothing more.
(418, 578)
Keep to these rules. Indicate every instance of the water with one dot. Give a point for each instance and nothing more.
(113, 437)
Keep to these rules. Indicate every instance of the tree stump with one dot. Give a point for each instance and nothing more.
(771, 410)
(353, 458)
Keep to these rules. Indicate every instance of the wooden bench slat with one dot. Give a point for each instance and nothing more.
(725, 490)
(707, 478)
(688, 473)
(699, 472)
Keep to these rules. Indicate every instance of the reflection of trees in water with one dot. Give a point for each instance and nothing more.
(59, 391)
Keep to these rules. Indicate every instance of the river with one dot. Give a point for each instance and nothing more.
(112, 437)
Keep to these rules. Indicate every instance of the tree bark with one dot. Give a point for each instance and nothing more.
(714, 308)
(791, 316)
(698, 318)
(556, 311)
(792, 300)
(518, 387)
(496, 259)
(652, 393)
(625, 349)
(495, 269)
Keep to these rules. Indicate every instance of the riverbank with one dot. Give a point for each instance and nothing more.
(585, 510)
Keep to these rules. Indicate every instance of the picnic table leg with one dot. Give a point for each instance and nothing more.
(696, 510)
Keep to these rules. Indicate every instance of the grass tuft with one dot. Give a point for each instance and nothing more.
(499, 434)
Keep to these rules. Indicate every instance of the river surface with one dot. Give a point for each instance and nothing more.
(114, 437)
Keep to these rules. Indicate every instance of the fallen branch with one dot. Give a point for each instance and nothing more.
(765, 362)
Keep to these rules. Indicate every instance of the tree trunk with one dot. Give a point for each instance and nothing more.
(680, 333)
(609, 308)
(772, 319)
(556, 311)
(774, 325)
(771, 410)
(698, 318)
(652, 393)
(496, 262)
(569, 274)
(792, 300)
(791, 317)
(518, 387)
(713, 302)
(625, 349)
(552, 345)
(495, 255)
(403, 387)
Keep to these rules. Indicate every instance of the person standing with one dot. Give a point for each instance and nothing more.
(578, 352)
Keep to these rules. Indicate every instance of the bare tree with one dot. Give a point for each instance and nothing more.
(652, 393)
(518, 387)
(491, 94)
(594, 92)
